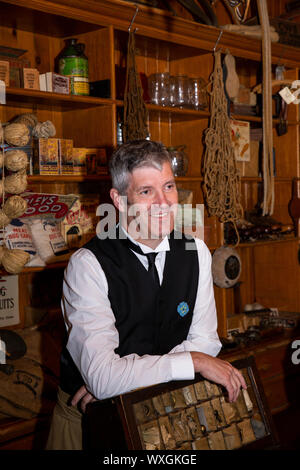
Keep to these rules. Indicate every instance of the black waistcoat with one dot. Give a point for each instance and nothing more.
(148, 321)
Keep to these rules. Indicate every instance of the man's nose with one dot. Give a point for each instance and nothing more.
(161, 198)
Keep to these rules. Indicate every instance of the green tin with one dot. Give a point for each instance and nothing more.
(73, 63)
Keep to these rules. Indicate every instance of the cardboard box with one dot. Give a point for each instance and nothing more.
(55, 83)
(45, 156)
(31, 79)
(4, 71)
(65, 156)
(16, 66)
(79, 160)
(96, 161)
(89, 161)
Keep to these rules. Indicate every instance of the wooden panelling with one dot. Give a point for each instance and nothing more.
(277, 276)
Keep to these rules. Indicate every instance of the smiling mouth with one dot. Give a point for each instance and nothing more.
(161, 215)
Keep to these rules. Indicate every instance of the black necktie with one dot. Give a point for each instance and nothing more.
(150, 257)
(152, 268)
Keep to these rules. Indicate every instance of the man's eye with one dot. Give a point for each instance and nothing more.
(146, 192)
(170, 186)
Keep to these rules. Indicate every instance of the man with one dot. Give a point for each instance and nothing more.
(134, 321)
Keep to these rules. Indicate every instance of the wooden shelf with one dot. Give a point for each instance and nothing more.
(150, 22)
(287, 239)
(21, 95)
(244, 179)
(62, 264)
(50, 179)
(186, 113)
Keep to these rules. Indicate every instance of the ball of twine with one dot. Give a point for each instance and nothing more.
(44, 130)
(14, 260)
(29, 119)
(15, 183)
(14, 207)
(17, 134)
(15, 160)
(4, 219)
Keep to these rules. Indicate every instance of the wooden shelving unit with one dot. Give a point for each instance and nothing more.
(164, 43)
(270, 269)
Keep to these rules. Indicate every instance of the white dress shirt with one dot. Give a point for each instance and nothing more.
(93, 336)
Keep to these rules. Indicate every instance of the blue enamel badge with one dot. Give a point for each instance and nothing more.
(183, 309)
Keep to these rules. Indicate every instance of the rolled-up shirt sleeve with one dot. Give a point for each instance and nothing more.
(93, 337)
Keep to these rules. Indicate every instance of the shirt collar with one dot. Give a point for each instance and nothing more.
(163, 246)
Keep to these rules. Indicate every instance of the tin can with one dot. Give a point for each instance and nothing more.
(73, 63)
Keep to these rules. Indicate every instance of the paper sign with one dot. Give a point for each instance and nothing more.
(287, 95)
(2, 92)
(240, 137)
(9, 301)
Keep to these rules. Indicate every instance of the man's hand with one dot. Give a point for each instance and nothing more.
(219, 371)
(84, 397)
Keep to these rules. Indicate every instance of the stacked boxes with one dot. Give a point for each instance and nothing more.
(59, 157)
(45, 157)
(65, 156)
(89, 161)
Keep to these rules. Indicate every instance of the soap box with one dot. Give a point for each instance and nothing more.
(45, 155)
(65, 156)
(79, 161)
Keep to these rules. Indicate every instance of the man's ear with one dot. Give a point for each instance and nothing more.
(118, 200)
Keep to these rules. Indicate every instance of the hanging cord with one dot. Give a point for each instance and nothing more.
(221, 177)
(3, 231)
(268, 164)
(135, 112)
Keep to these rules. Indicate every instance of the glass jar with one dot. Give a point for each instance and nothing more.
(179, 160)
(159, 88)
(181, 91)
(197, 93)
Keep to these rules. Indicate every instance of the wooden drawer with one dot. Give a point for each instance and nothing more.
(21, 434)
(275, 360)
(282, 391)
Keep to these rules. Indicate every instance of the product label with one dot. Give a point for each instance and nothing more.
(77, 69)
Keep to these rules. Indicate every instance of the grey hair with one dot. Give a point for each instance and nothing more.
(135, 154)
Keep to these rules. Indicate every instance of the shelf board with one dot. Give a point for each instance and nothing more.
(287, 239)
(151, 22)
(33, 269)
(22, 95)
(50, 179)
(62, 264)
(187, 113)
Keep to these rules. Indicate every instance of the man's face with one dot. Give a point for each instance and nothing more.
(152, 198)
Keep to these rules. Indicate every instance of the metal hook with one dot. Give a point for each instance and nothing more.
(217, 42)
(133, 18)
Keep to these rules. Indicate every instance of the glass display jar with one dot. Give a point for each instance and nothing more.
(179, 160)
(197, 93)
(180, 91)
(159, 88)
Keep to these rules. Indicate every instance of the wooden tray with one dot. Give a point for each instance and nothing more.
(183, 415)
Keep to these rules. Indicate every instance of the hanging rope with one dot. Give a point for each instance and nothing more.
(135, 112)
(221, 177)
(268, 165)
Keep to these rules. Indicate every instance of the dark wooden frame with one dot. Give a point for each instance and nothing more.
(110, 424)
